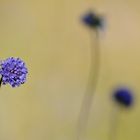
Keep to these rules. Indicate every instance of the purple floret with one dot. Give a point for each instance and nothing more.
(92, 20)
(13, 71)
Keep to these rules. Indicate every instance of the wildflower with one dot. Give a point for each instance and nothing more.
(123, 96)
(13, 72)
(92, 20)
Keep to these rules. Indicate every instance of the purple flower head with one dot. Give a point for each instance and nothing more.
(13, 71)
(92, 20)
(123, 96)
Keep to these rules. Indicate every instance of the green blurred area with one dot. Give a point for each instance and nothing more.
(49, 37)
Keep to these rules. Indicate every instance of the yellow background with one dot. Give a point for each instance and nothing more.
(49, 37)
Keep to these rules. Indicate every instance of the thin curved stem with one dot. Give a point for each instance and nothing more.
(91, 86)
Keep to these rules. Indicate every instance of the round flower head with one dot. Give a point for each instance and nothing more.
(92, 20)
(123, 96)
(13, 72)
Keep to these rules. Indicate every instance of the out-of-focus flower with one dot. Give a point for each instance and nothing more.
(92, 20)
(13, 71)
(123, 96)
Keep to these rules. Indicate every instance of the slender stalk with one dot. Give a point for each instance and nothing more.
(91, 86)
(114, 120)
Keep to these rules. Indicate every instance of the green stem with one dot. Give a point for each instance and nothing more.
(91, 87)
(114, 120)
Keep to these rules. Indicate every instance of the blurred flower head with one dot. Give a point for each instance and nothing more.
(13, 71)
(123, 96)
(92, 20)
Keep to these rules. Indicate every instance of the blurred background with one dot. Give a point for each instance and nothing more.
(49, 37)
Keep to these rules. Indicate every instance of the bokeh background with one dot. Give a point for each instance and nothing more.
(49, 37)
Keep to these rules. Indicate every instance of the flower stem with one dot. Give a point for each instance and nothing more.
(91, 86)
(114, 120)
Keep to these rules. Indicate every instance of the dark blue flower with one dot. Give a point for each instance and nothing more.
(123, 96)
(13, 71)
(92, 20)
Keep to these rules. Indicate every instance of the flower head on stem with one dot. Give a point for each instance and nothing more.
(93, 20)
(13, 71)
(123, 96)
